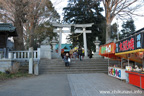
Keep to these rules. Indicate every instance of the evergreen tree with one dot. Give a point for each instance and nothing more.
(128, 27)
(114, 30)
(83, 12)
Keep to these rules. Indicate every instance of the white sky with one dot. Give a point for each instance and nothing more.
(60, 4)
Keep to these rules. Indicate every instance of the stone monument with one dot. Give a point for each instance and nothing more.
(96, 54)
(45, 49)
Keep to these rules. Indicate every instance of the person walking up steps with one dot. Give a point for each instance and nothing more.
(67, 60)
(80, 53)
(75, 55)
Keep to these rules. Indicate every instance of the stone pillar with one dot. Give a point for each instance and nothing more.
(36, 68)
(38, 50)
(60, 41)
(31, 60)
(5, 52)
(10, 55)
(85, 42)
(96, 54)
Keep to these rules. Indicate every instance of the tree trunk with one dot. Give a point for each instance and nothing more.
(18, 41)
(108, 32)
(31, 44)
(108, 24)
(108, 21)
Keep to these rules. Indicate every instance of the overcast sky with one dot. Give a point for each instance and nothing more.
(60, 4)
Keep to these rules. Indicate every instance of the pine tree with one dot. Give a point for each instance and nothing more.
(128, 27)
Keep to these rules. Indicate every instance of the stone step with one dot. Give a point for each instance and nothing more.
(72, 69)
(92, 60)
(75, 63)
(76, 70)
(76, 66)
(79, 67)
(95, 63)
(84, 65)
(72, 72)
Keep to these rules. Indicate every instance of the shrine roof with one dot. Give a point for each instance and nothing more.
(66, 47)
(8, 28)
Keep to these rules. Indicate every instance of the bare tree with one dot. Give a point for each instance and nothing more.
(13, 11)
(26, 15)
(120, 8)
(38, 11)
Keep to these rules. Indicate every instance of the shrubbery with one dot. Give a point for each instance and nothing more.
(5, 76)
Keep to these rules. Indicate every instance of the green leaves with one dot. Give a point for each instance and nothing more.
(128, 27)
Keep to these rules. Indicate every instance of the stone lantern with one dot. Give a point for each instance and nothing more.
(54, 42)
(54, 54)
(96, 42)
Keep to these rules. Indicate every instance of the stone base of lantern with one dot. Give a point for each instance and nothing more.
(96, 55)
(55, 55)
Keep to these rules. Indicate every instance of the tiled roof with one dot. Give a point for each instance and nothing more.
(8, 28)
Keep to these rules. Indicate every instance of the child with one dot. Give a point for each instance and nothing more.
(66, 59)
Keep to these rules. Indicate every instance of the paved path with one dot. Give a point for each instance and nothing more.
(93, 84)
(43, 85)
(67, 85)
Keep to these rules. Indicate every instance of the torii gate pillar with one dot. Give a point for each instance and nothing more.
(85, 42)
(60, 41)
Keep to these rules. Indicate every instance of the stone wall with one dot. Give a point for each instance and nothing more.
(45, 52)
(5, 64)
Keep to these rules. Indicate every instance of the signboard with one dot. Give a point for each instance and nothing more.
(128, 68)
(130, 43)
(108, 48)
(117, 72)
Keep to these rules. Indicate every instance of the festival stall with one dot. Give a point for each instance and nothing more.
(114, 70)
(132, 49)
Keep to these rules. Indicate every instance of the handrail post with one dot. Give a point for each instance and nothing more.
(38, 53)
(31, 60)
(10, 55)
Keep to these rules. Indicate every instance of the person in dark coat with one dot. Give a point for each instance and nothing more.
(66, 60)
(80, 53)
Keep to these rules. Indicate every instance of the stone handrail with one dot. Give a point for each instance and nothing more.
(24, 55)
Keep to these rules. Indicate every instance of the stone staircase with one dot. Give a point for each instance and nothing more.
(56, 66)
